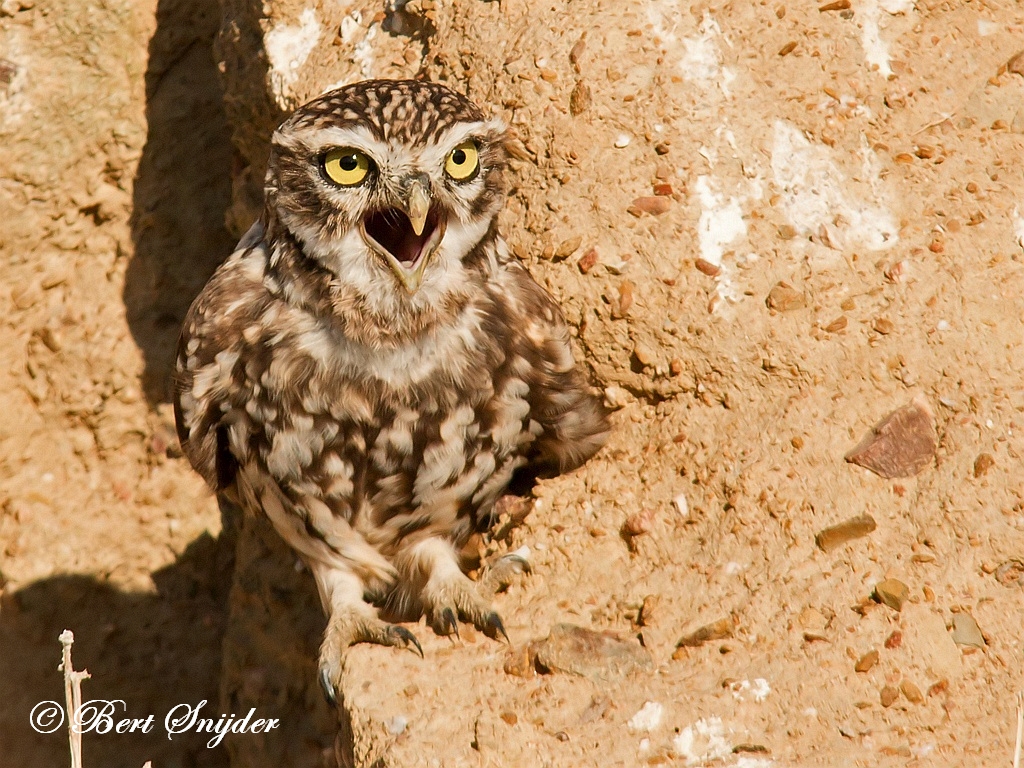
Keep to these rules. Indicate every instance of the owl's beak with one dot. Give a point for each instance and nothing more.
(418, 206)
(406, 237)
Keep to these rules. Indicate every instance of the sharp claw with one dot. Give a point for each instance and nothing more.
(328, 688)
(406, 639)
(449, 623)
(495, 625)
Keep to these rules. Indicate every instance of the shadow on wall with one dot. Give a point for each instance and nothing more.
(182, 187)
(153, 651)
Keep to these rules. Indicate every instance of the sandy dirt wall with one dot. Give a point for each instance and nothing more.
(837, 231)
(773, 225)
(115, 160)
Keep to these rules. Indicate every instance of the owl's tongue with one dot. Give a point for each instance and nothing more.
(392, 230)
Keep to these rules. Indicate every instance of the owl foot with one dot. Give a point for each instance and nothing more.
(435, 582)
(348, 629)
(457, 596)
(462, 601)
(502, 573)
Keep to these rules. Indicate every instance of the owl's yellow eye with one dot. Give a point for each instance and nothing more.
(463, 162)
(346, 166)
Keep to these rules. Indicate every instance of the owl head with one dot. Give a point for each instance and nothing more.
(388, 184)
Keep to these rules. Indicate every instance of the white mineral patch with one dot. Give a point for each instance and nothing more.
(363, 54)
(13, 102)
(648, 718)
(756, 689)
(876, 49)
(721, 220)
(702, 62)
(702, 742)
(987, 28)
(816, 196)
(682, 505)
(1018, 227)
(288, 46)
(721, 223)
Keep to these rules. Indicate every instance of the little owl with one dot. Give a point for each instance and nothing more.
(371, 365)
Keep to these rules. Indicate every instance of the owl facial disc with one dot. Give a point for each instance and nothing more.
(406, 238)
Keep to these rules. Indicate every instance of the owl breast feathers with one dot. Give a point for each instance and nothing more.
(371, 365)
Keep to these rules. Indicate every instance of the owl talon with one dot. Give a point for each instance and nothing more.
(447, 623)
(493, 626)
(330, 692)
(400, 637)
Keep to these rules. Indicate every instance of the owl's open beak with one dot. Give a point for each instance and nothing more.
(406, 238)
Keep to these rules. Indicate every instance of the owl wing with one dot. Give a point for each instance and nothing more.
(207, 368)
(573, 423)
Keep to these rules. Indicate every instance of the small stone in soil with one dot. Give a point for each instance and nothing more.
(1011, 573)
(893, 593)
(638, 523)
(837, 535)
(568, 247)
(648, 611)
(911, 692)
(708, 268)
(587, 261)
(983, 464)
(616, 397)
(755, 749)
(717, 630)
(580, 99)
(837, 325)
(654, 204)
(888, 695)
(1016, 64)
(783, 297)
(883, 326)
(866, 662)
(621, 307)
(519, 661)
(966, 631)
(901, 445)
(584, 652)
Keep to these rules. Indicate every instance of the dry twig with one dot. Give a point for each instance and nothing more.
(72, 696)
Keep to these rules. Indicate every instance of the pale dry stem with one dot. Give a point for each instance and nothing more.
(72, 696)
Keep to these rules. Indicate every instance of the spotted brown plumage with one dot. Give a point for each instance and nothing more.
(371, 365)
